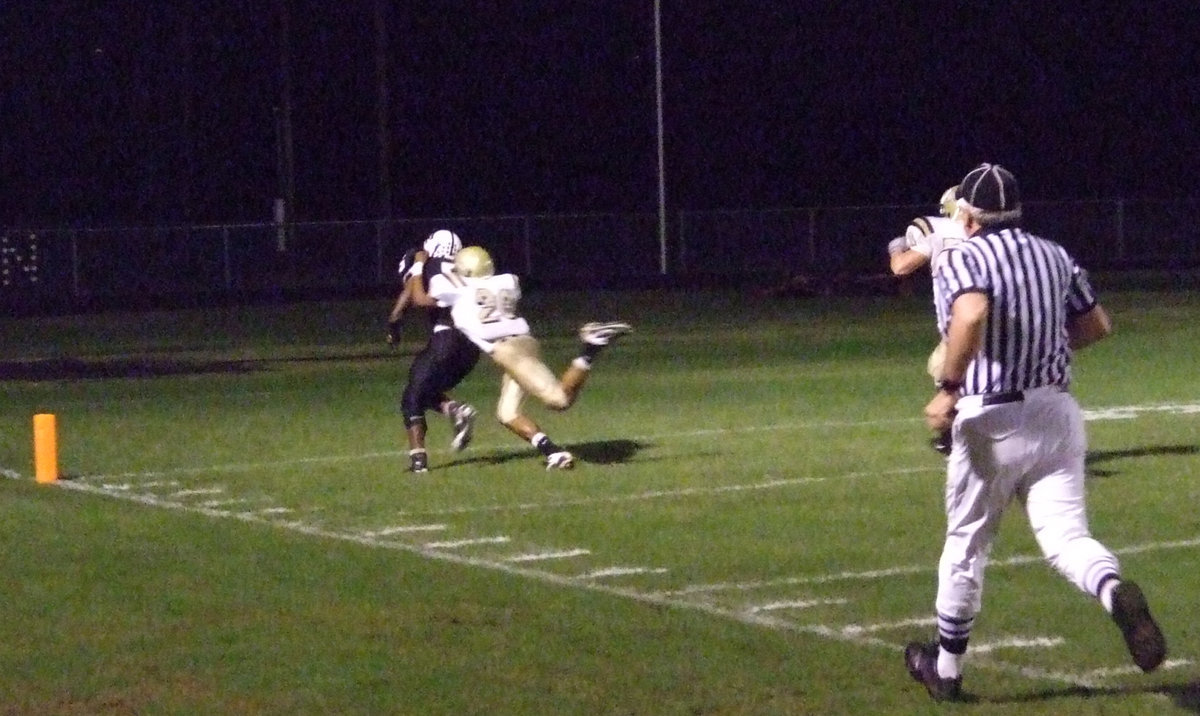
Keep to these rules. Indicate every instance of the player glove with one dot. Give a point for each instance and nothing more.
(393, 333)
(897, 245)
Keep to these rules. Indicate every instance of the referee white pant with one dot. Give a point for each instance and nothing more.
(1032, 449)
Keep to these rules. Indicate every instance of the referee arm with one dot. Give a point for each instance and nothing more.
(1088, 327)
(964, 338)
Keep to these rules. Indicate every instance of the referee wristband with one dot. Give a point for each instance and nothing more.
(949, 386)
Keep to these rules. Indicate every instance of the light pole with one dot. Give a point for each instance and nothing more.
(658, 102)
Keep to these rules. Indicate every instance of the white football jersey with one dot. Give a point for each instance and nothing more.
(484, 309)
(929, 235)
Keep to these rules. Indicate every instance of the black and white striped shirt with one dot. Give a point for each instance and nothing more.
(1033, 287)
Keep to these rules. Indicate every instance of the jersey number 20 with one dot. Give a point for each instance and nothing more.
(496, 305)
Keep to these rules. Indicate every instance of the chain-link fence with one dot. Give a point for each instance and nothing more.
(63, 267)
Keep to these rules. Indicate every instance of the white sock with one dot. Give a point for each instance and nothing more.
(949, 666)
(1106, 593)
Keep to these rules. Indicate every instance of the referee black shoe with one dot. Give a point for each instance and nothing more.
(921, 660)
(1144, 639)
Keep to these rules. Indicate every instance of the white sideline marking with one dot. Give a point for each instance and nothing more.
(856, 629)
(453, 544)
(1037, 642)
(401, 529)
(275, 510)
(540, 556)
(796, 604)
(620, 572)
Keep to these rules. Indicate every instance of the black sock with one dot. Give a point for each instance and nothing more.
(545, 445)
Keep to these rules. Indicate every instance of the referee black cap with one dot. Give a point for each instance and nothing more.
(990, 188)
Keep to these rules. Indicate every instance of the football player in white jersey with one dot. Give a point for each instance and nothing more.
(923, 243)
(484, 307)
(925, 238)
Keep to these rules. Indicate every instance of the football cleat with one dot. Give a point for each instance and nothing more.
(418, 462)
(561, 460)
(1142, 635)
(464, 426)
(601, 334)
(921, 661)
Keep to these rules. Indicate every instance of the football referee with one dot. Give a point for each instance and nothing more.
(1012, 307)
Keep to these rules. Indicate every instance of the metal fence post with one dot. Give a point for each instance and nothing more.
(1120, 228)
(228, 260)
(75, 263)
(528, 245)
(682, 259)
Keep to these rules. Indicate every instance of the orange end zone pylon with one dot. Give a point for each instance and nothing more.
(45, 447)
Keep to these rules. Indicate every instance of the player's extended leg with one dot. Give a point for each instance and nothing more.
(508, 411)
(593, 337)
(520, 358)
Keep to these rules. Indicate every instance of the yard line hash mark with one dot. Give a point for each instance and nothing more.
(796, 604)
(405, 529)
(542, 556)
(620, 572)
(1037, 642)
(455, 544)
(853, 629)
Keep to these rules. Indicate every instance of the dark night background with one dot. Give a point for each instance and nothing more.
(153, 112)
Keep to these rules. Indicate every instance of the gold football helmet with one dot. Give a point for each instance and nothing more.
(949, 202)
(474, 262)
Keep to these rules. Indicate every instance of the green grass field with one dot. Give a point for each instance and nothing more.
(752, 528)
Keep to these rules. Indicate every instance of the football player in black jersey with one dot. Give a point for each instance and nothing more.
(445, 360)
